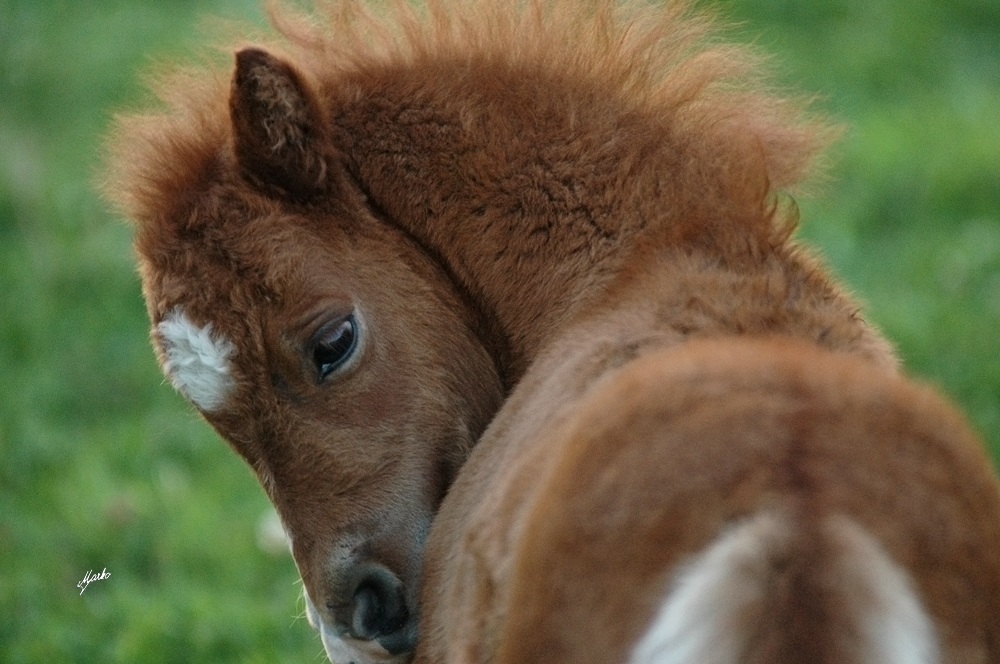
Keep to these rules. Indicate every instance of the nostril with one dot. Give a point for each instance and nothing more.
(378, 610)
(379, 606)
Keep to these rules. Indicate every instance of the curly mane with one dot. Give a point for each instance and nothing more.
(665, 62)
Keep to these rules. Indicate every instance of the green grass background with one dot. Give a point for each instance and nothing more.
(103, 466)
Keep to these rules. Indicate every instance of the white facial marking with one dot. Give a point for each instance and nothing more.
(196, 361)
(705, 615)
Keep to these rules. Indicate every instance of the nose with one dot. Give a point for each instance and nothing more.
(377, 610)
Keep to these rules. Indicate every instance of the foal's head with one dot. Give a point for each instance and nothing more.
(324, 346)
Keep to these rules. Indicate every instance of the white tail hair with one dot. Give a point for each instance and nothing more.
(714, 598)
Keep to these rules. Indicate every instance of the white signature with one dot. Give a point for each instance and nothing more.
(90, 576)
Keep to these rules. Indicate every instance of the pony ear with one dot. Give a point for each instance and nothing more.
(278, 128)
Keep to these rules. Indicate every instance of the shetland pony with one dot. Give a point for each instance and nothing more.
(500, 301)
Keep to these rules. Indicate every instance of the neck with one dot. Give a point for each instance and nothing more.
(536, 194)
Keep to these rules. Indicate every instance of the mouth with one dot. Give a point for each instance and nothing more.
(341, 648)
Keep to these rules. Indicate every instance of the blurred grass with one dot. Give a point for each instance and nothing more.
(105, 467)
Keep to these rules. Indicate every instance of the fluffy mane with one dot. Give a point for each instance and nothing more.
(668, 62)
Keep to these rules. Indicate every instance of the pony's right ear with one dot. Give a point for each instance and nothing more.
(278, 128)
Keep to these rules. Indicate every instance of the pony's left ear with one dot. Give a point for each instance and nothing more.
(278, 128)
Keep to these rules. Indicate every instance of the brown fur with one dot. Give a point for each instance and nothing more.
(518, 201)
(660, 456)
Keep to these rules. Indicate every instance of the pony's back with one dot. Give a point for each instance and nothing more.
(759, 502)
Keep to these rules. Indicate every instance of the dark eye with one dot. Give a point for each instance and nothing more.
(334, 346)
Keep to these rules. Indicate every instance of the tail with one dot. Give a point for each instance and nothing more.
(763, 594)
